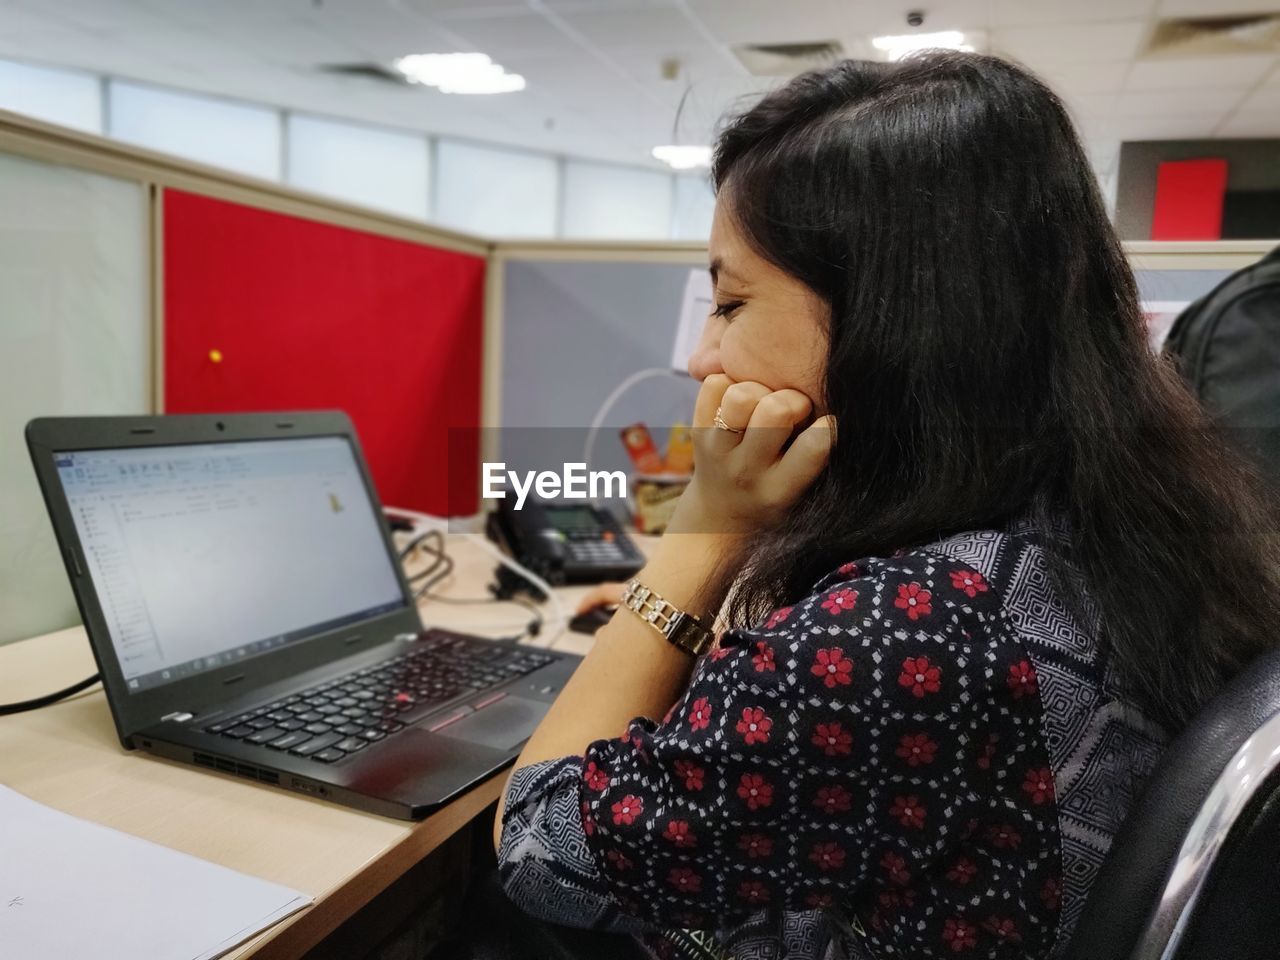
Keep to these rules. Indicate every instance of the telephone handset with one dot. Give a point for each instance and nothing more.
(565, 543)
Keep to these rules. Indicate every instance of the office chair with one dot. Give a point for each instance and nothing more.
(1194, 873)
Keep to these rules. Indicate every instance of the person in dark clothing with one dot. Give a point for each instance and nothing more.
(977, 553)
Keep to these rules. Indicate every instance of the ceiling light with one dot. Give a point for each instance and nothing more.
(459, 73)
(899, 46)
(683, 157)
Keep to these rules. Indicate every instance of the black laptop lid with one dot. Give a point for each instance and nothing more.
(213, 554)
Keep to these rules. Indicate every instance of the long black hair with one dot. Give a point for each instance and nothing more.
(987, 356)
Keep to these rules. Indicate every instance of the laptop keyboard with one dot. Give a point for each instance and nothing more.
(337, 718)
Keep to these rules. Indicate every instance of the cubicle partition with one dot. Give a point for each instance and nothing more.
(133, 282)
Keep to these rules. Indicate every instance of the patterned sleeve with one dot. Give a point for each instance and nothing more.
(818, 759)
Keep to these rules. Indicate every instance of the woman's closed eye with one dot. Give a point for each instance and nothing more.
(727, 309)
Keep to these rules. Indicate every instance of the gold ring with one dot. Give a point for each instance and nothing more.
(718, 422)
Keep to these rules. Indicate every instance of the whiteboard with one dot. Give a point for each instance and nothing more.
(74, 339)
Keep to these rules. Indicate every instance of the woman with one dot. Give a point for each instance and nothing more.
(963, 621)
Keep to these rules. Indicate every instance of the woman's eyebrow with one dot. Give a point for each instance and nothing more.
(718, 269)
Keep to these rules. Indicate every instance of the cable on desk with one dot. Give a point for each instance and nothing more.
(434, 574)
(50, 698)
(560, 618)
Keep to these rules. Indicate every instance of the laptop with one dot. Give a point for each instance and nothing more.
(249, 615)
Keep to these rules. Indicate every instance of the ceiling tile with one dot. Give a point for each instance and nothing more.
(1076, 79)
(1243, 124)
(659, 27)
(506, 35)
(1010, 12)
(1205, 99)
(1197, 72)
(1262, 100)
(457, 9)
(1187, 126)
(1040, 47)
(1215, 8)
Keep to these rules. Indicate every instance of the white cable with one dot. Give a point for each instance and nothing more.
(559, 620)
(589, 448)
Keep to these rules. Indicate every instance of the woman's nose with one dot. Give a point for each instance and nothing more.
(705, 359)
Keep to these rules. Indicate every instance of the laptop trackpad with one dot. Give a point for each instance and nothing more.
(500, 725)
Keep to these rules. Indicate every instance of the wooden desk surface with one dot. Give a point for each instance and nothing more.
(67, 756)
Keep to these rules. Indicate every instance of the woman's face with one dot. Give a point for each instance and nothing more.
(766, 325)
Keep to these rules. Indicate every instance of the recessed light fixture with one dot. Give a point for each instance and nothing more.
(899, 46)
(459, 73)
(683, 157)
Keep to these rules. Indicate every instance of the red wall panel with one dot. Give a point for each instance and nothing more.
(1189, 198)
(305, 316)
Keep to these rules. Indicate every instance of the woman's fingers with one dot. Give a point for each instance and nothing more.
(739, 402)
(803, 461)
(773, 420)
(710, 395)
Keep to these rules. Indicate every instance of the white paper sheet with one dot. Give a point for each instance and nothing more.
(699, 296)
(70, 888)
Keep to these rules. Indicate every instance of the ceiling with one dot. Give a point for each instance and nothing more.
(595, 84)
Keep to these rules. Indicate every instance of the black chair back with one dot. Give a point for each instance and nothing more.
(1194, 873)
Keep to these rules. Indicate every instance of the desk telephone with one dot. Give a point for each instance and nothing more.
(565, 543)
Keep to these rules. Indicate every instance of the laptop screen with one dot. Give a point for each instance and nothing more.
(205, 554)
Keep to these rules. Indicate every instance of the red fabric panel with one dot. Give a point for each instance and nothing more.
(310, 316)
(1189, 196)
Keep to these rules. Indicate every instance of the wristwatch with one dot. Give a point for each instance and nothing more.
(681, 629)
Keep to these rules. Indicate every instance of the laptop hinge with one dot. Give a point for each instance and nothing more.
(178, 716)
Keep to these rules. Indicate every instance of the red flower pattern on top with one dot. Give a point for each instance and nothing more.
(721, 793)
(914, 599)
(678, 833)
(778, 616)
(595, 778)
(832, 739)
(755, 790)
(1004, 837)
(1038, 785)
(1022, 680)
(959, 934)
(690, 773)
(920, 677)
(833, 667)
(619, 860)
(627, 809)
(962, 871)
(969, 581)
(685, 879)
(840, 601)
(916, 748)
(908, 811)
(754, 726)
(833, 799)
(755, 845)
(827, 856)
(1051, 894)
(896, 869)
(1003, 928)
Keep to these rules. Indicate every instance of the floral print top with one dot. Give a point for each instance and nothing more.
(927, 757)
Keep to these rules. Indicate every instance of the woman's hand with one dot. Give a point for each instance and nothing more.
(746, 480)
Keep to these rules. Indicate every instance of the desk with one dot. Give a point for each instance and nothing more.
(67, 756)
